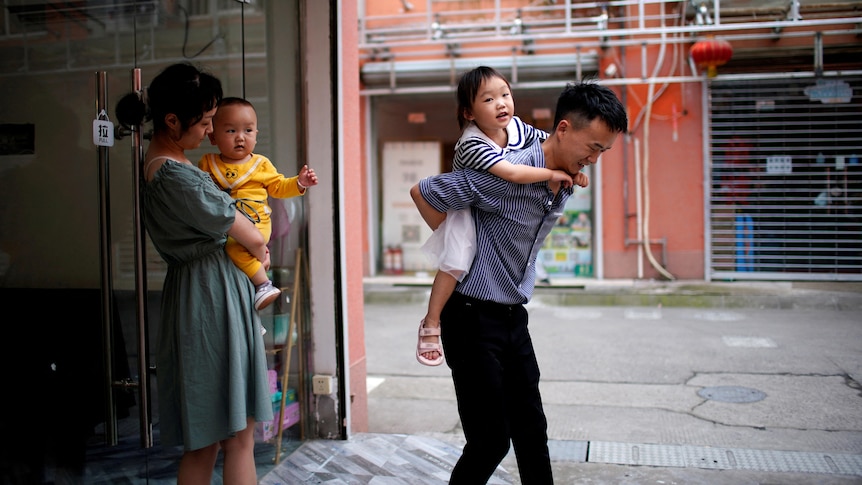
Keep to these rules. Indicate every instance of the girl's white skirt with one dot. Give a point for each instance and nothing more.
(452, 247)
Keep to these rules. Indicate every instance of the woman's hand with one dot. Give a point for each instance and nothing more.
(246, 234)
(266, 260)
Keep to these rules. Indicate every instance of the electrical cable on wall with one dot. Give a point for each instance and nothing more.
(242, 41)
(651, 97)
(186, 37)
(645, 174)
(215, 39)
(675, 63)
(135, 39)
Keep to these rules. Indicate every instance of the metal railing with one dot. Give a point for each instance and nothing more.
(437, 27)
(435, 36)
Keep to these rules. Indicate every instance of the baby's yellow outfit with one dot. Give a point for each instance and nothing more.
(250, 183)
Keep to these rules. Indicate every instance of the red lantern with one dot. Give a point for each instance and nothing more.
(711, 53)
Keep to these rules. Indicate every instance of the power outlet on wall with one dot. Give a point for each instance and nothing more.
(321, 385)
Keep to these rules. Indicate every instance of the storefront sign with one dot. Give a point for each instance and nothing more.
(830, 92)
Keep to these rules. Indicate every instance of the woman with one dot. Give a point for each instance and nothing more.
(211, 365)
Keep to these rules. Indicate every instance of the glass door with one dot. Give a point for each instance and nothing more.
(73, 364)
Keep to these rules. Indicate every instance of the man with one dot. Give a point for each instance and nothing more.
(484, 323)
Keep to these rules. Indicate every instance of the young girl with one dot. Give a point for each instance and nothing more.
(489, 132)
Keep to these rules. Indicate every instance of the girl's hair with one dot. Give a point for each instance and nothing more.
(468, 87)
(181, 89)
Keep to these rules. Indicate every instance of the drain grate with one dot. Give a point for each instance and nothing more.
(724, 458)
(734, 394)
(565, 450)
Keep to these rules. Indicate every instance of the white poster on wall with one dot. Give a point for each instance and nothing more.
(403, 165)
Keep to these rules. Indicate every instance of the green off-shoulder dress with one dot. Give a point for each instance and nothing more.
(210, 359)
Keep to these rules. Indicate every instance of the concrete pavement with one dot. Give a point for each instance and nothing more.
(655, 382)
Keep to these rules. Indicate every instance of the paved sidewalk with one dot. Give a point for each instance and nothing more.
(686, 293)
(682, 382)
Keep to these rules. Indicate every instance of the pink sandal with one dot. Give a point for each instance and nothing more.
(422, 347)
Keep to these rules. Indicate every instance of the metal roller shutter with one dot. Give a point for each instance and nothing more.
(786, 179)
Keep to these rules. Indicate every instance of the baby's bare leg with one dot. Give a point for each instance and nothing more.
(259, 277)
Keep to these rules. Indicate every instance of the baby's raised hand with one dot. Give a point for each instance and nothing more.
(581, 179)
(307, 177)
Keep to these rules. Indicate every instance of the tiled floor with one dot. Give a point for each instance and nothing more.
(390, 459)
(128, 463)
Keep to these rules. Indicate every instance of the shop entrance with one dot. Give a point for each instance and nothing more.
(786, 193)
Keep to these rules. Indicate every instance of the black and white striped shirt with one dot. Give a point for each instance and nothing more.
(512, 220)
(475, 150)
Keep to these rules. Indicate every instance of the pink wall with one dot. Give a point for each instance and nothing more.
(354, 218)
(673, 159)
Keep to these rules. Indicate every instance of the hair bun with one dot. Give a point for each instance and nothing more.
(131, 110)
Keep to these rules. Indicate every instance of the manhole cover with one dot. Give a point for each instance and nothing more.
(734, 394)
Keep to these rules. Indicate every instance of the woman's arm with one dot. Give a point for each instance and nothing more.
(250, 237)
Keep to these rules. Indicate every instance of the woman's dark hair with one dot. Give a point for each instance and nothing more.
(181, 89)
(468, 87)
